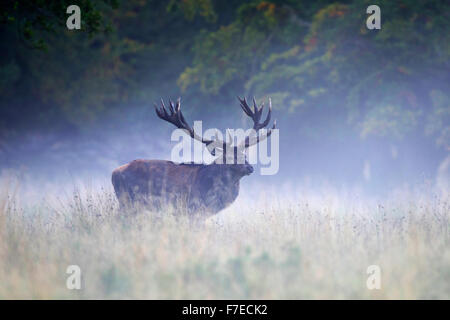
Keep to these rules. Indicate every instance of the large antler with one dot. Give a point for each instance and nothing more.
(175, 117)
(255, 115)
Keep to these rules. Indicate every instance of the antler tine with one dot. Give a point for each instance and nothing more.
(171, 107)
(183, 123)
(269, 114)
(177, 119)
(255, 107)
(163, 109)
(256, 115)
(247, 143)
(181, 118)
(245, 106)
(178, 105)
(159, 110)
(257, 112)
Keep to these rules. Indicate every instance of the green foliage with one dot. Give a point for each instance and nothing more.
(372, 71)
(317, 60)
(32, 18)
(192, 8)
(229, 56)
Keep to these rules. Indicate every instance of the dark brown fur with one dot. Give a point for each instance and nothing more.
(191, 187)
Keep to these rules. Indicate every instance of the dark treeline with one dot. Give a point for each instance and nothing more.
(340, 91)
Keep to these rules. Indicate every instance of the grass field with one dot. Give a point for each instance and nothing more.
(301, 248)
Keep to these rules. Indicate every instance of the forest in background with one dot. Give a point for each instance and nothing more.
(86, 97)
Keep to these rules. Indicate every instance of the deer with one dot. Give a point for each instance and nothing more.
(192, 188)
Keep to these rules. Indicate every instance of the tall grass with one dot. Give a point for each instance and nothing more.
(297, 249)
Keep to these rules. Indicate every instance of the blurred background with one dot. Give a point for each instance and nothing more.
(359, 109)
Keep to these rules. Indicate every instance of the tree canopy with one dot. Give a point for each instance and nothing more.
(317, 60)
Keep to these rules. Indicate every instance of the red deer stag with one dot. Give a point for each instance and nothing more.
(195, 188)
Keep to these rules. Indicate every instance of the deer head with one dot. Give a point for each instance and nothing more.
(233, 156)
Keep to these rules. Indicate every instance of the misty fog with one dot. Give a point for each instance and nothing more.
(342, 160)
